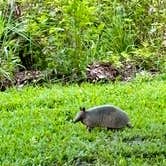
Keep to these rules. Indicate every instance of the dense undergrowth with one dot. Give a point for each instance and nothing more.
(36, 125)
(63, 36)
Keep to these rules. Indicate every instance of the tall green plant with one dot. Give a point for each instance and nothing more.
(118, 35)
(73, 33)
(78, 19)
(7, 47)
(64, 28)
(12, 37)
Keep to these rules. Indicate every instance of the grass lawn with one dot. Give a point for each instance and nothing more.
(36, 125)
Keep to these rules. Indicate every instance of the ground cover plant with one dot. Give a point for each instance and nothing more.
(36, 125)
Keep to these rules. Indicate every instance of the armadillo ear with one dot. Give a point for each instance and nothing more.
(83, 109)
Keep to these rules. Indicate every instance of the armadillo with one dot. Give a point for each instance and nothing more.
(108, 116)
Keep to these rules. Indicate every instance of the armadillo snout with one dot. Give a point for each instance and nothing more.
(78, 117)
(75, 120)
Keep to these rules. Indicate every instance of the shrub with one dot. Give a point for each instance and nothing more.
(64, 36)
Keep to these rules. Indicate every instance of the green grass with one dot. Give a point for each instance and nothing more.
(36, 125)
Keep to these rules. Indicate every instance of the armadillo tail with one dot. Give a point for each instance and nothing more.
(129, 125)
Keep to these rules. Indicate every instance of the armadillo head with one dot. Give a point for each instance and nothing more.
(80, 115)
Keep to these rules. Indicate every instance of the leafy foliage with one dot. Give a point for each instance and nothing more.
(13, 39)
(64, 36)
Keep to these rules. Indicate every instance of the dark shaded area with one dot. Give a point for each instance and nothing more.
(101, 71)
(105, 71)
(95, 72)
(22, 78)
(83, 160)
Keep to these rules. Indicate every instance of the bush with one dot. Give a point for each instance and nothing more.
(64, 36)
(8, 46)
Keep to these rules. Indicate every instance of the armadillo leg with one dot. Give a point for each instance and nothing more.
(89, 128)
